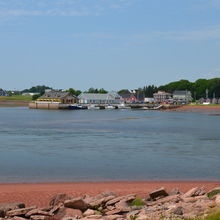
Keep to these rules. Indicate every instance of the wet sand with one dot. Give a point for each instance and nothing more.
(40, 194)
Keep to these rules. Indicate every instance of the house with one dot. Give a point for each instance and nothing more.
(129, 97)
(3, 92)
(182, 96)
(162, 96)
(58, 97)
(98, 98)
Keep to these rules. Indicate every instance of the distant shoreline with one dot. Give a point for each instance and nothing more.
(40, 193)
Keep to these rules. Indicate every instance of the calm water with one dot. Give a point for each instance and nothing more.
(41, 145)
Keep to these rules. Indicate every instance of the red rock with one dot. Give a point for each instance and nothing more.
(89, 212)
(157, 194)
(11, 206)
(117, 199)
(197, 191)
(217, 199)
(113, 217)
(100, 202)
(55, 209)
(18, 218)
(18, 212)
(39, 217)
(59, 198)
(194, 199)
(174, 198)
(67, 212)
(76, 203)
(113, 212)
(37, 212)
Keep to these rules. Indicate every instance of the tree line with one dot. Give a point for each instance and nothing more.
(197, 88)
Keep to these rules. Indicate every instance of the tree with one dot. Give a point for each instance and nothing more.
(37, 89)
(92, 90)
(123, 91)
(74, 92)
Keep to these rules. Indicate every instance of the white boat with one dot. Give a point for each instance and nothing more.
(109, 107)
(123, 106)
(93, 107)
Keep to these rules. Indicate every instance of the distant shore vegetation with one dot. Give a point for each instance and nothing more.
(198, 89)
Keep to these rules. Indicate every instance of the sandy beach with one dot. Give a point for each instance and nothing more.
(197, 108)
(40, 194)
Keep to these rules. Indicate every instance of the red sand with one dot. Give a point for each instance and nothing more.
(191, 108)
(40, 194)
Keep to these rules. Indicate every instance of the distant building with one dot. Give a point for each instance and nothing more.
(214, 101)
(3, 93)
(162, 96)
(58, 97)
(182, 96)
(30, 93)
(129, 97)
(98, 98)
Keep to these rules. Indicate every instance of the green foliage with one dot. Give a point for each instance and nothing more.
(92, 90)
(137, 202)
(123, 91)
(213, 193)
(133, 217)
(212, 216)
(197, 88)
(178, 85)
(37, 89)
(74, 92)
(35, 97)
(149, 90)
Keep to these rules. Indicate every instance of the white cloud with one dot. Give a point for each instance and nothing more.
(12, 8)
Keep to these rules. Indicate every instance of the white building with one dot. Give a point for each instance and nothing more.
(97, 98)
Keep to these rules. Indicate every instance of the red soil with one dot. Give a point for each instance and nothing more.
(192, 108)
(41, 193)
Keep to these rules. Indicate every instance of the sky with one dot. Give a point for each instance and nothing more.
(111, 44)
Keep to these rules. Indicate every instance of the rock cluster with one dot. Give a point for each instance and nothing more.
(159, 204)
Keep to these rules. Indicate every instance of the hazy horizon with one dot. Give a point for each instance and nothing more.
(111, 44)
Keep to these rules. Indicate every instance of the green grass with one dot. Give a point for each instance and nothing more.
(16, 98)
(213, 216)
(137, 202)
(213, 193)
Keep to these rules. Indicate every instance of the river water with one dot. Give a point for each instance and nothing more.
(103, 145)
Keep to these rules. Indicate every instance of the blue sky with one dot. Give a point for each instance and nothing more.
(107, 43)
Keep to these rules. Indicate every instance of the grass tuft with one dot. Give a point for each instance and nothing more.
(213, 193)
(137, 202)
